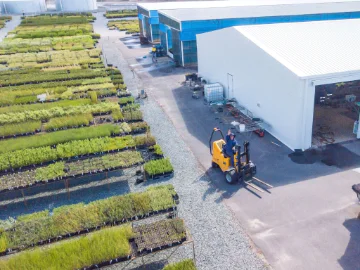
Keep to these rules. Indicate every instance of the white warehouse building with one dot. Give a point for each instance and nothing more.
(302, 79)
(23, 6)
(76, 5)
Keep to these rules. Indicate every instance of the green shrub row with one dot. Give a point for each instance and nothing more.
(19, 129)
(68, 122)
(54, 138)
(52, 76)
(40, 226)
(126, 100)
(44, 106)
(131, 107)
(130, 26)
(158, 166)
(54, 20)
(133, 116)
(34, 156)
(146, 140)
(43, 115)
(157, 150)
(117, 115)
(75, 253)
(138, 126)
(70, 169)
(62, 169)
(39, 88)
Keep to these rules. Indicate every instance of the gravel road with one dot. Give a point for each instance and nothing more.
(220, 241)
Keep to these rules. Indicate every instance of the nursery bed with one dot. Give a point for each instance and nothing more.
(74, 220)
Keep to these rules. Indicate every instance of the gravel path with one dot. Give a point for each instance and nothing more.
(220, 242)
(9, 27)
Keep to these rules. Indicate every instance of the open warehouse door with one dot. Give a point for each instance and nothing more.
(336, 113)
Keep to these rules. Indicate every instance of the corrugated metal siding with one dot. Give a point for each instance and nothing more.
(190, 52)
(168, 21)
(141, 27)
(163, 40)
(176, 47)
(310, 48)
(143, 11)
(155, 32)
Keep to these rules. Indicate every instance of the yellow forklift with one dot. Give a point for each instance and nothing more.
(244, 170)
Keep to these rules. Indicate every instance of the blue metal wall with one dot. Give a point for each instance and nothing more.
(191, 28)
(150, 21)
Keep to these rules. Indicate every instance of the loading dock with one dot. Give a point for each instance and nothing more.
(336, 113)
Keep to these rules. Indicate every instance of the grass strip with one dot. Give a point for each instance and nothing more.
(58, 137)
(76, 253)
(183, 265)
(19, 129)
(40, 226)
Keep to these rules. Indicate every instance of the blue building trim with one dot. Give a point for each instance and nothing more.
(191, 28)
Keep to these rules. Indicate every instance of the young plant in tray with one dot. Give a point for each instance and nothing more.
(133, 116)
(145, 140)
(126, 100)
(139, 127)
(159, 234)
(158, 167)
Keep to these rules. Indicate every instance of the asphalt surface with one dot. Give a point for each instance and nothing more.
(307, 221)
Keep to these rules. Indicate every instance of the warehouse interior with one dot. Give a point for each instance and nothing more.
(336, 112)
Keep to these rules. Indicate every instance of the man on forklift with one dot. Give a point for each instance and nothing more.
(229, 147)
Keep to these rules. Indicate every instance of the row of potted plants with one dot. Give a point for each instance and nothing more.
(158, 167)
(51, 59)
(33, 229)
(44, 115)
(78, 253)
(58, 137)
(158, 235)
(98, 249)
(130, 26)
(111, 14)
(35, 156)
(71, 169)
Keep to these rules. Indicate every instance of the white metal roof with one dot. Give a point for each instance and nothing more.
(310, 49)
(251, 9)
(228, 3)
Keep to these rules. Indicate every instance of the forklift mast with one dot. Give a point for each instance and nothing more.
(246, 153)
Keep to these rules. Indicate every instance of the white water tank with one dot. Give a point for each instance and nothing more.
(23, 6)
(76, 5)
(213, 92)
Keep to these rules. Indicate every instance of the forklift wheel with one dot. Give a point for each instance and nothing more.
(231, 177)
(214, 165)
